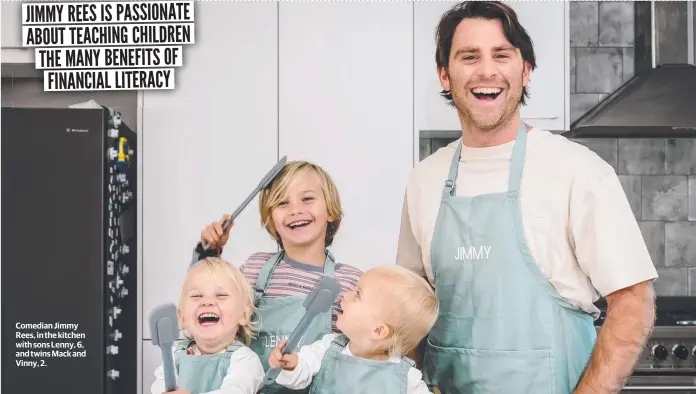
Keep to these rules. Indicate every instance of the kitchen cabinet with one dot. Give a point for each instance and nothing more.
(346, 103)
(11, 35)
(547, 24)
(11, 30)
(206, 146)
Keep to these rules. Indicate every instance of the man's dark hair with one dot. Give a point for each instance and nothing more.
(490, 10)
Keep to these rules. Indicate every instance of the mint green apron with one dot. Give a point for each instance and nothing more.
(280, 316)
(202, 373)
(344, 374)
(502, 327)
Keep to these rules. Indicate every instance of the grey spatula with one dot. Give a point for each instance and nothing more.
(164, 330)
(318, 301)
(265, 182)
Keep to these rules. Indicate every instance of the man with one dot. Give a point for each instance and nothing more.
(520, 231)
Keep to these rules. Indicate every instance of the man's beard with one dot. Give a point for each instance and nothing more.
(486, 121)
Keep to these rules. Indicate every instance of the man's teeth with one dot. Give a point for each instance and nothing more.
(208, 315)
(487, 90)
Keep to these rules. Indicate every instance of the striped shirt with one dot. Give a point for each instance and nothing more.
(292, 278)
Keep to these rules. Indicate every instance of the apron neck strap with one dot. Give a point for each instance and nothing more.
(329, 265)
(341, 341)
(266, 272)
(410, 363)
(450, 188)
(236, 345)
(516, 164)
(517, 161)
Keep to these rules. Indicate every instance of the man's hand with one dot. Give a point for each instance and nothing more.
(278, 359)
(179, 391)
(629, 321)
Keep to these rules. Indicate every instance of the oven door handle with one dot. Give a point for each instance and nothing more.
(658, 388)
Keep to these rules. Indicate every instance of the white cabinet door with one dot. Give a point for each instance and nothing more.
(208, 143)
(546, 23)
(346, 103)
(11, 31)
(11, 34)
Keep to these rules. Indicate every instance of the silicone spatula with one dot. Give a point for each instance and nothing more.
(318, 301)
(164, 330)
(265, 182)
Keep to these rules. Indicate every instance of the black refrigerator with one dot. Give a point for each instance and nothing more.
(69, 300)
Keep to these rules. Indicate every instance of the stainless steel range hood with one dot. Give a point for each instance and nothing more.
(660, 100)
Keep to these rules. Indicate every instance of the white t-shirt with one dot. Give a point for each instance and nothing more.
(244, 375)
(577, 220)
(309, 363)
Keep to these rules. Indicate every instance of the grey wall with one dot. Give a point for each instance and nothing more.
(672, 32)
(659, 178)
(601, 51)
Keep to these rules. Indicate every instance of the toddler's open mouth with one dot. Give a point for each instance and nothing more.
(208, 319)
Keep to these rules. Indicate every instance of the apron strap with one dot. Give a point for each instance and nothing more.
(265, 274)
(180, 348)
(517, 161)
(236, 345)
(337, 345)
(450, 188)
(408, 361)
(329, 265)
(341, 341)
(516, 165)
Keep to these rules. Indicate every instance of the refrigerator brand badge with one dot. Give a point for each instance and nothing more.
(69, 130)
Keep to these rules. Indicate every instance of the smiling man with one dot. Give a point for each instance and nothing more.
(520, 231)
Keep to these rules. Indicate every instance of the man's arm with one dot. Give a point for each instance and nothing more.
(610, 250)
(408, 255)
(629, 321)
(417, 353)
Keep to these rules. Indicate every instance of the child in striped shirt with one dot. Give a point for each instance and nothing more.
(302, 211)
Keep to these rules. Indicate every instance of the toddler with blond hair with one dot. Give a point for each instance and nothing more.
(386, 317)
(215, 313)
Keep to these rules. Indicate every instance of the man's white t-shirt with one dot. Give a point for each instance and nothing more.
(577, 220)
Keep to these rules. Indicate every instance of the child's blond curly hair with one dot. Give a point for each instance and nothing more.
(218, 268)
